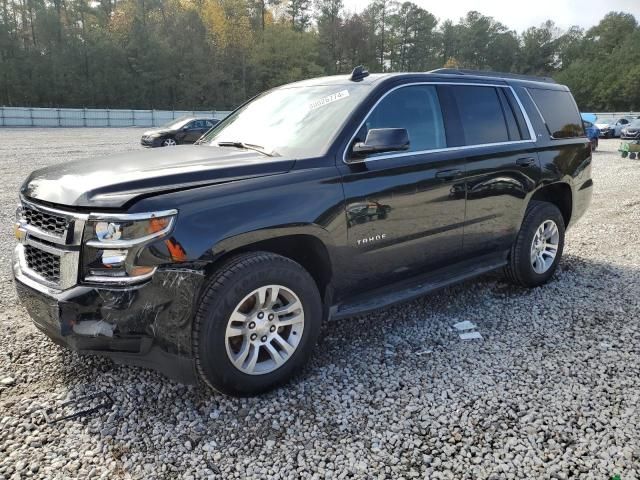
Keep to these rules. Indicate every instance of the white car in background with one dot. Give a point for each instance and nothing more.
(611, 127)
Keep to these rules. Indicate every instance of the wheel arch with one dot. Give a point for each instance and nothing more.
(560, 194)
(306, 248)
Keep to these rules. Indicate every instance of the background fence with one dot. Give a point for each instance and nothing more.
(106, 117)
(94, 117)
(617, 115)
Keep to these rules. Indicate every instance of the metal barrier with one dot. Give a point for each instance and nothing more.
(616, 115)
(94, 117)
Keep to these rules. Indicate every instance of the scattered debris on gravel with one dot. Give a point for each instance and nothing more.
(552, 390)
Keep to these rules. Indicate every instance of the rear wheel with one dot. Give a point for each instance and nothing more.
(257, 324)
(538, 247)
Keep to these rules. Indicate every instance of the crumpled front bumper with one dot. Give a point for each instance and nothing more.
(147, 325)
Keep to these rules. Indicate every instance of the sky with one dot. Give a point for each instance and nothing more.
(518, 14)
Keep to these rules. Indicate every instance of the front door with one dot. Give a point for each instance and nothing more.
(404, 210)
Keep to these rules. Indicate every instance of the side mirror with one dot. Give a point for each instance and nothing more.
(382, 140)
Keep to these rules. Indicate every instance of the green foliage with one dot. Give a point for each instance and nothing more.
(202, 54)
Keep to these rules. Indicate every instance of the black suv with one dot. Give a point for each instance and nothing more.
(318, 200)
(176, 132)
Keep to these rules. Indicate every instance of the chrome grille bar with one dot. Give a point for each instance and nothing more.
(49, 250)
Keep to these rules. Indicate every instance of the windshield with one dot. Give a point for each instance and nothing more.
(176, 123)
(291, 121)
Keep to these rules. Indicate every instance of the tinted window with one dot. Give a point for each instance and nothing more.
(481, 115)
(559, 112)
(415, 108)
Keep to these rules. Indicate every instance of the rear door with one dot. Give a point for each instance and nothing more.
(404, 210)
(501, 163)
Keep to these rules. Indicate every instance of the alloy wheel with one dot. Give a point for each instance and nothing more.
(264, 330)
(544, 246)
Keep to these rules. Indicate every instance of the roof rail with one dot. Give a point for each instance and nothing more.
(486, 73)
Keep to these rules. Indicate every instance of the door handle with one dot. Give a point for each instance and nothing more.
(448, 174)
(526, 162)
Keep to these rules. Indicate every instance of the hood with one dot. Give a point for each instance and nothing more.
(602, 125)
(111, 182)
(157, 131)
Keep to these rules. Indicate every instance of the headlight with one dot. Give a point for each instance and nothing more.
(112, 243)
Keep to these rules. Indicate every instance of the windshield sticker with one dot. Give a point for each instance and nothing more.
(328, 99)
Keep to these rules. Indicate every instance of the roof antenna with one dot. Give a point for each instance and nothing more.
(359, 73)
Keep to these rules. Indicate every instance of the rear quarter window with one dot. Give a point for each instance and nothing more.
(559, 112)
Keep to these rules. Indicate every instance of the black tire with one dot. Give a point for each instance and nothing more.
(624, 154)
(229, 285)
(519, 269)
(632, 156)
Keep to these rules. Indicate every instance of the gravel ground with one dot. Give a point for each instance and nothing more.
(551, 390)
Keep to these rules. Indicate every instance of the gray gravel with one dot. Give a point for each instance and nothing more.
(550, 391)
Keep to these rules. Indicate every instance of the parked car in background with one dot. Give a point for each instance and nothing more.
(611, 127)
(592, 134)
(180, 131)
(631, 131)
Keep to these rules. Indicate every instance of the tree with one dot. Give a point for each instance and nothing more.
(217, 53)
(412, 39)
(330, 23)
(299, 13)
(539, 48)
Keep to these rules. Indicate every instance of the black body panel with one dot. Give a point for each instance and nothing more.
(114, 181)
(383, 230)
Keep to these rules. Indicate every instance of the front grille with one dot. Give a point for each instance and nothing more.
(45, 264)
(47, 222)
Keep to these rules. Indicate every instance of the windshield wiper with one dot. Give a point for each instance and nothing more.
(248, 146)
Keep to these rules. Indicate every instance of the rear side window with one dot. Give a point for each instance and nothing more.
(559, 112)
(415, 108)
(482, 116)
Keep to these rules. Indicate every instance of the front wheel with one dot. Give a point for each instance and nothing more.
(169, 142)
(538, 247)
(257, 323)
